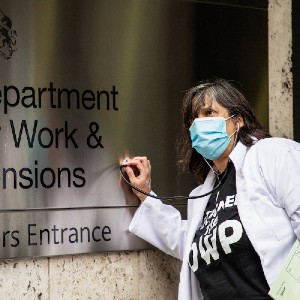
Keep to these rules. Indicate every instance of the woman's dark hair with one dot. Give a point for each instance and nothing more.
(228, 96)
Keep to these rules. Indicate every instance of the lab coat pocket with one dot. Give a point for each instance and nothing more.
(274, 217)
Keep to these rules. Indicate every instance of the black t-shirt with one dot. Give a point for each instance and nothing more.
(222, 256)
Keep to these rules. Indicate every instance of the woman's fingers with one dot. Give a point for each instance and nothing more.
(143, 160)
(141, 164)
(138, 170)
(130, 174)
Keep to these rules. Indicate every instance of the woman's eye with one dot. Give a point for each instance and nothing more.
(207, 113)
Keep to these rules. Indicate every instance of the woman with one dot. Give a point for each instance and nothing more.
(236, 239)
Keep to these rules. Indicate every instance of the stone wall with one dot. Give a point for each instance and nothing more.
(126, 275)
(280, 64)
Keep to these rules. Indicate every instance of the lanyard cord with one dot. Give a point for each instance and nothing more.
(221, 181)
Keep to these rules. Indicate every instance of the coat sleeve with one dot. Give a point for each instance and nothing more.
(161, 225)
(282, 176)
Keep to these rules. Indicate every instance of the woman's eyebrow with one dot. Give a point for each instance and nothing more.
(205, 109)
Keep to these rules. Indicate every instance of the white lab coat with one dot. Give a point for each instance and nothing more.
(268, 201)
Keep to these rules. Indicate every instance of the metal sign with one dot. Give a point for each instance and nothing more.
(59, 232)
(79, 89)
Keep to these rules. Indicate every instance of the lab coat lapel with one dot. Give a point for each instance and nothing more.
(201, 203)
(187, 289)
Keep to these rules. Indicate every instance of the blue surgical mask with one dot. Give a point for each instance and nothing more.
(209, 136)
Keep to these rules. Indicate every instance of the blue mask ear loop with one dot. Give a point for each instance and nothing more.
(229, 117)
(237, 132)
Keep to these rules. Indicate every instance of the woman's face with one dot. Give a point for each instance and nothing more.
(211, 108)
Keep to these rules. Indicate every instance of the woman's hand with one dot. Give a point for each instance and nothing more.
(139, 172)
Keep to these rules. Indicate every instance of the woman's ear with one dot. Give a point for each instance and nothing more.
(240, 121)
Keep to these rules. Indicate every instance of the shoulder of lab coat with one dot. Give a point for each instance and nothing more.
(161, 225)
(279, 162)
